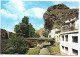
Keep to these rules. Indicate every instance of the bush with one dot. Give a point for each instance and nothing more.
(46, 43)
(45, 33)
(14, 45)
(54, 50)
(36, 35)
(4, 46)
(34, 51)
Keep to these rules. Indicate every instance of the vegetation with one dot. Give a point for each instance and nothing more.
(36, 35)
(31, 30)
(54, 50)
(14, 45)
(17, 43)
(46, 43)
(45, 33)
(24, 28)
(34, 51)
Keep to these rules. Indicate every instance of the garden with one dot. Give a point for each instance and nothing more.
(54, 50)
(33, 51)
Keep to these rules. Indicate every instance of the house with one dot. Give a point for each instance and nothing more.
(55, 33)
(52, 33)
(3, 34)
(9, 34)
(57, 37)
(69, 25)
(69, 37)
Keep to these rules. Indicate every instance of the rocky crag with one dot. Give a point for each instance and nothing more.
(55, 16)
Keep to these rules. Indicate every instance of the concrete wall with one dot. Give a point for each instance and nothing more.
(71, 45)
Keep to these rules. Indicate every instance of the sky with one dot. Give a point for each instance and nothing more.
(13, 11)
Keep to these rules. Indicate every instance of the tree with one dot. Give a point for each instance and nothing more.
(45, 33)
(31, 30)
(14, 45)
(25, 20)
(36, 35)
(22, 29)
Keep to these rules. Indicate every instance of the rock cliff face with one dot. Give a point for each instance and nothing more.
(55, 15)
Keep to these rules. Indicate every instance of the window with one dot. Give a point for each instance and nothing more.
(3, 34)
(62, 38)
(75, 51)
(75, 39)
(49, 36)
(66, 48)
(62, 47)
(66, 38)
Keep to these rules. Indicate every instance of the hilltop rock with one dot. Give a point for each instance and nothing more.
(59, 6)
(55, 15)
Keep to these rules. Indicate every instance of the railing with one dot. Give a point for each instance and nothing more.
(68, 29)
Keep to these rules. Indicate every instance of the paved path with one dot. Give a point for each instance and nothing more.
(44, 51)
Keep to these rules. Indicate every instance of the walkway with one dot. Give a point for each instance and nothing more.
(44, 51)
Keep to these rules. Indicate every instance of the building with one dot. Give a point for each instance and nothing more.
(69, 25)
(9, 34)
(57, 37)
(5, 34)
(55, 33)
(52, 33)
(69, 37)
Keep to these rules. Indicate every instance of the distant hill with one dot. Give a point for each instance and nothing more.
(55, 15)
(40, 32)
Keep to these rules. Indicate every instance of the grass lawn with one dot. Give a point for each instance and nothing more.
(54, 50)
(34, 51)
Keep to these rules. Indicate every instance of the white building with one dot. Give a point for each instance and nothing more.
(52, 33)
(55, 33)
(69, 43)
(69, 38)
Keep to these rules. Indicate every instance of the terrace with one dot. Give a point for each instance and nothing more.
(70, 25)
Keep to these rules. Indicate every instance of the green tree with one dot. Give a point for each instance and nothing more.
(25, 20)
(36, 35)
(45, 33)
(14, 45)
(22, 29)
(31, 30)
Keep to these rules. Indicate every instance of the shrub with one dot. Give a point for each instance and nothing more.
(54, 50)
(14, 45)
(45, 33)
(34, 51)
(36, 35)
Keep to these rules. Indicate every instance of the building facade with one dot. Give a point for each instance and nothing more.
(5, 34)
(55, 33)
(69, 43)
(69, 37)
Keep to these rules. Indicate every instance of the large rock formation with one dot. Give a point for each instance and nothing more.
(55, 15)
